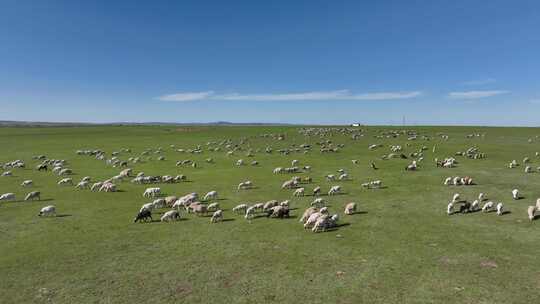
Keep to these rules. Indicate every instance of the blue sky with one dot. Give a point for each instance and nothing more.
(327, 62)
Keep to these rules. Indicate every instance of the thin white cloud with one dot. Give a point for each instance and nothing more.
(480, 81)
(187, 96)
(476, 94)
(315, 95)
(387, 95)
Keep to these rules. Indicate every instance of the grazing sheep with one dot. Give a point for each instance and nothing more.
(27, 183)
(481, 197)
(499, 209)
(143, 215)
(7, 197)
(212, 195)
(169, 200)
(538, 204)
(318, 202)
(450, 208)
(278, 211)
(7, 173)
(33, 195)
(82, 185)
(240, 208)
(96, 186)
(528, 169)
(217, 216)
(330, 177)
(159, 203)
(199, 209)
(65, 171)
(148, 206)
(312, 219)
(289, 184)
(107, 187)
(48, 211)
(171, 215)
(307, 213)
(66, 181)
(343, 176)
(258, 206)
(213, 207)
(245, 185)
(152, 192)
(334, 190)
(270, 204)
(324, 222)
(299, 192)
(350, 208)
(531, 211)
(456, 198)
(475, 205)
(447, 181)
(515, 194)
(250, 212)
(487, 206)
(317, 191)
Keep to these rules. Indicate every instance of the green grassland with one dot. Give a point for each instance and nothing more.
(401, 247)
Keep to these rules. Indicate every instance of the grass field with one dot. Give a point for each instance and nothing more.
(402, 247)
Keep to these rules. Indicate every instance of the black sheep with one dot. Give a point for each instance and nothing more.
(143, 215)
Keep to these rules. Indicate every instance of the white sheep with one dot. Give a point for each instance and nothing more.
(212, 195)
(334, 190)
(312, 219)
(217, 217)
(447, 181)
(48, 211)
(245, 185)
(82, 185)
(240, 208)
(450, 208)
(299, 192)
(307, 213)
(325, 222)
(250, 212)
(487, 206)
(475, 205)
(515, 194)
(350, 208)
(171, 215)
(66, 181)
(152, 192)
(482, 197)
(7, 197)
(456, 198)
(317, 191)
(213, 207)
(27, 183)
(318, 202)
(147, 206)
(499, 209)
(531, 212)
(96, 186)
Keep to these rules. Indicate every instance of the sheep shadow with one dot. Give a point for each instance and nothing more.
(337, 227)
(228, 220)
(359, 212)
(64, 215)
(536, 217)
(506, 212)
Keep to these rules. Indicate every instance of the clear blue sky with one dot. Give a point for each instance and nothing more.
(434, 62)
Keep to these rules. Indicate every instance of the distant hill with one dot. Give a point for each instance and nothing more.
(13, 123)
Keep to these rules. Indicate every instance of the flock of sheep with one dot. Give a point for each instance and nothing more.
(316, 216)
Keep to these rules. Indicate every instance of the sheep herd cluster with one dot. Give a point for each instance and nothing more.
(316, 217)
